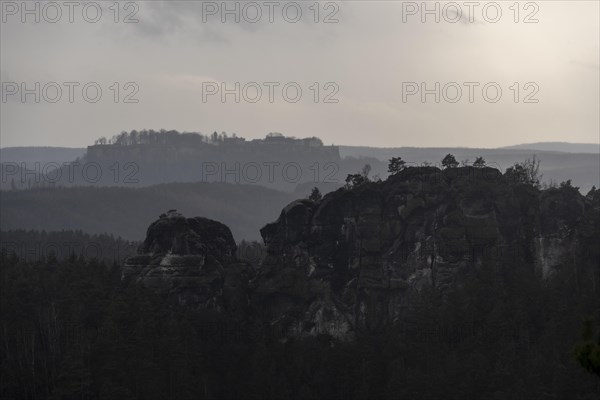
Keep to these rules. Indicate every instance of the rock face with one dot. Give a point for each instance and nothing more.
(358, 259)
(355, 260)
(194, 260)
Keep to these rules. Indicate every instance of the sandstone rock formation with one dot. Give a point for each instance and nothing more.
(358, 259)
(192, 259)
(355, 260)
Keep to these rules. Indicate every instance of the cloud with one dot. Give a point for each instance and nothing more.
(202, 21)
(369, 53)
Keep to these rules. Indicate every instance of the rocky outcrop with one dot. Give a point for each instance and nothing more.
(358, 259)
(193, 260)
(355, 260)
(560, 214)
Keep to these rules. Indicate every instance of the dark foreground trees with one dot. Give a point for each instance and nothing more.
(588, 352)
(526, 172)
(71, 330)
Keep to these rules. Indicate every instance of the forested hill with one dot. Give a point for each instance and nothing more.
(30, 155)
(125, 211)
(148, 157)
(137, 159)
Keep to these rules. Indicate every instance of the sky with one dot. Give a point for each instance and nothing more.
(370, 73)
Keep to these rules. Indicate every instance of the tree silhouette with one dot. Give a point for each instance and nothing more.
(315, 195)
(526, 172)
(479, 162)
(353, 180)
(449, 161)
(396, 165)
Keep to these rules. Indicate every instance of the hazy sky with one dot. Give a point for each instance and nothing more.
(370, 61)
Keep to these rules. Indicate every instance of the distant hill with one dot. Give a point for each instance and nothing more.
(125, 212)
(318, 165)
(30, 155)
(148, 157)
(564, 147)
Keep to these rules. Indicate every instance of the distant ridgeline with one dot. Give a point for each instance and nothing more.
(150, 157)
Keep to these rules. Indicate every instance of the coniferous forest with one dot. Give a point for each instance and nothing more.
(71, 328)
